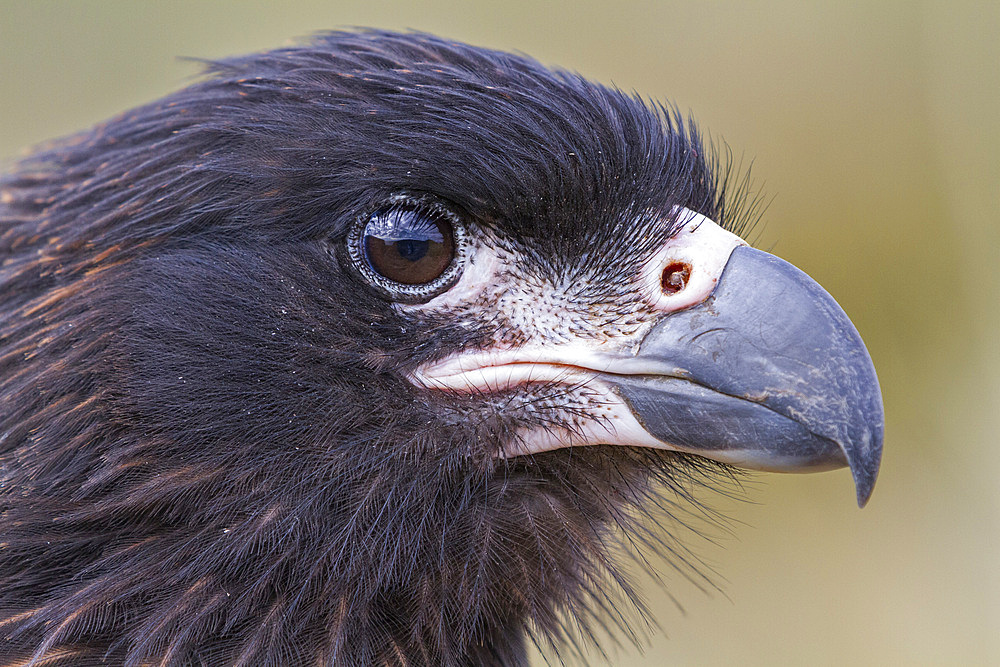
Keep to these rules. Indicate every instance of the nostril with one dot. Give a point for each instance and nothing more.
(675, 277)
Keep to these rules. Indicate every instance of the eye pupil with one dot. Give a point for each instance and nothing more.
(408, 246)
(411, 249)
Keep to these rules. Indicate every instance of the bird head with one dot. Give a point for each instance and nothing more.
(374, 351)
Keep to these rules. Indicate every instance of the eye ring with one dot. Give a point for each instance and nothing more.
(372, 252)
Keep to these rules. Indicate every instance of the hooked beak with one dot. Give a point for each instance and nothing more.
(768, 372)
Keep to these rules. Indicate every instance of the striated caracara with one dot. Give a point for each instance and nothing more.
(380, 351)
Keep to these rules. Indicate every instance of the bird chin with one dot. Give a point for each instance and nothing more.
(609, 419)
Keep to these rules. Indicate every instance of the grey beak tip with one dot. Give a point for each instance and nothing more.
(864, 482)
(865, 461)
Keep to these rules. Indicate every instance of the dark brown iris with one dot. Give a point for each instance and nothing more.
(409, 247)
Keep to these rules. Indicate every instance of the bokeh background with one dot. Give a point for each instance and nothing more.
(874, 132)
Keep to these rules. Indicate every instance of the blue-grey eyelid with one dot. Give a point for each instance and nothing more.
(403, 224)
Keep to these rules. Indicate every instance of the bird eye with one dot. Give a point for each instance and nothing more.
(410, 253)
(408, 247)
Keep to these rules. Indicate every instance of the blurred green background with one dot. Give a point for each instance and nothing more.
(874, 126)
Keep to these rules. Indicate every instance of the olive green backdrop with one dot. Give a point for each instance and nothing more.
(874, 126)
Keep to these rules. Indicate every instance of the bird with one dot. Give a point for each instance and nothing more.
(384, 349)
